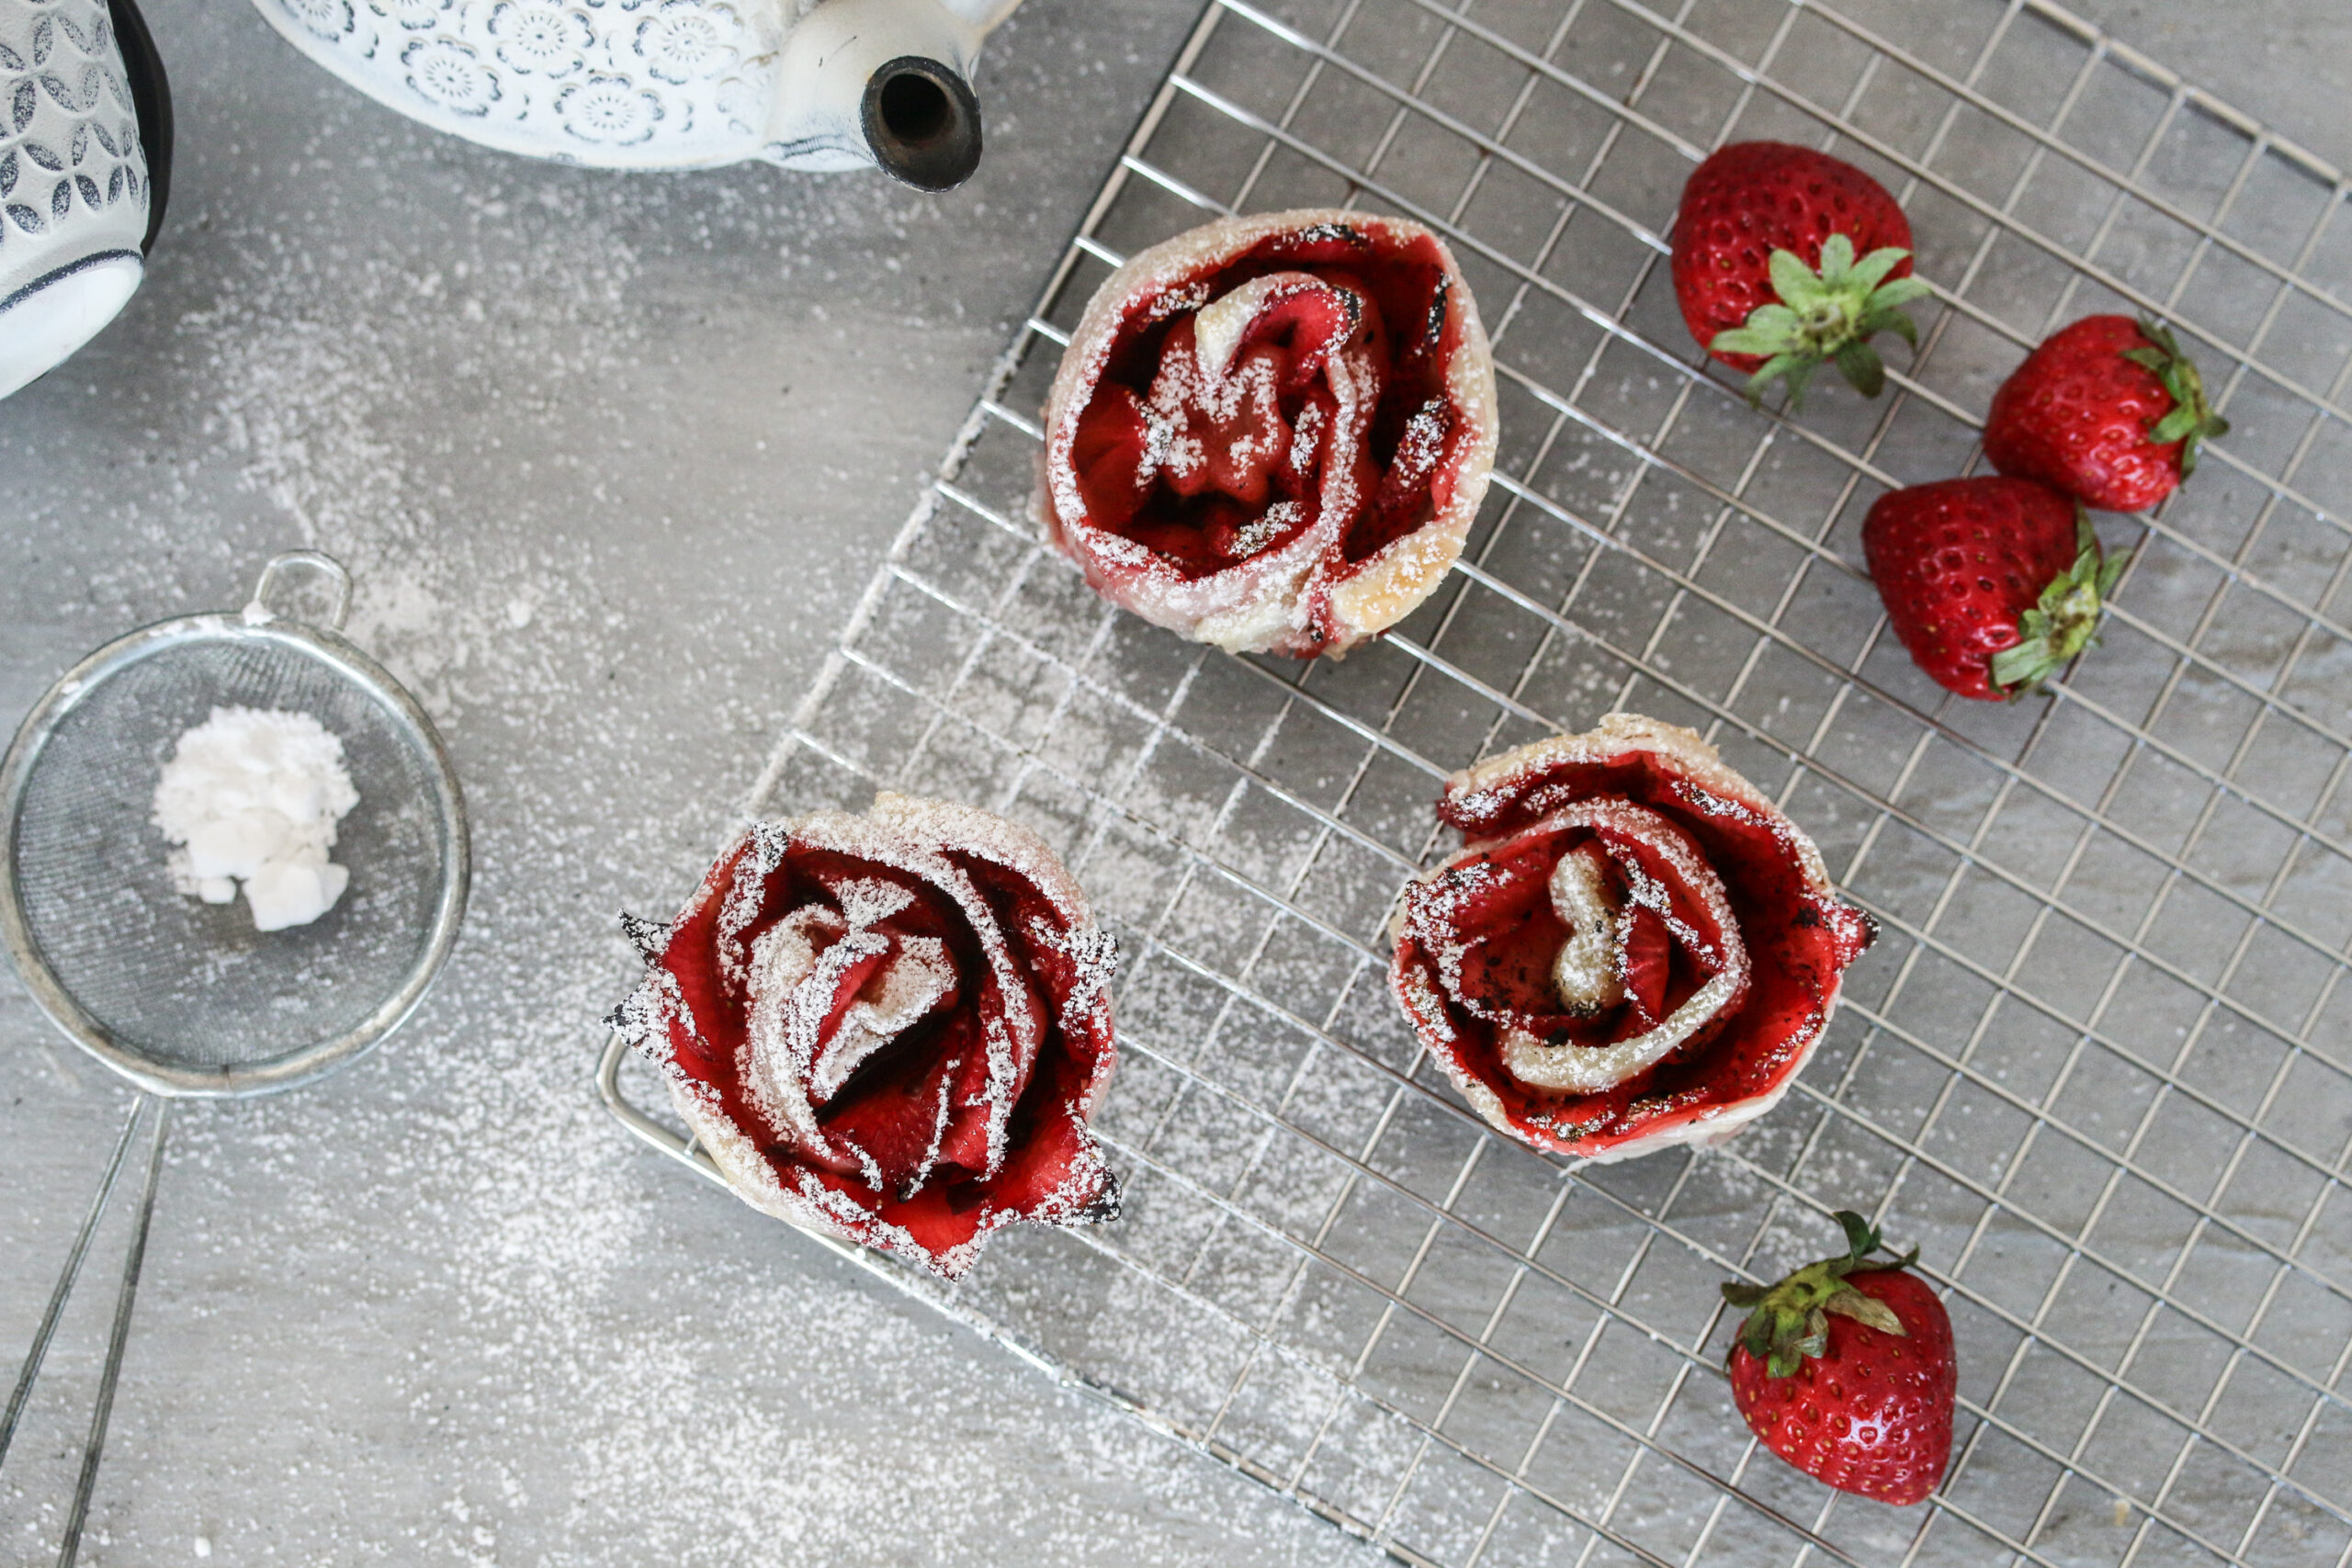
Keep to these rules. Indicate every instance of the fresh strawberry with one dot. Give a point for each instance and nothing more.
(1992, 583)
(1845, 1369)
(1765, 267)
(2108, 410)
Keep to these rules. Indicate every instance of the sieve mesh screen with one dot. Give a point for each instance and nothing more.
(191, 985)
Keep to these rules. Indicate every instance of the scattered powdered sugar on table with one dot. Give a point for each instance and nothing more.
(440, 1309)
(250, 800)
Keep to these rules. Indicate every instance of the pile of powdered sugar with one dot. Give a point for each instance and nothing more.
(250, 799)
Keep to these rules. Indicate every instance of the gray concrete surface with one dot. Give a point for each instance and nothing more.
(2285, 60)
(611, 457)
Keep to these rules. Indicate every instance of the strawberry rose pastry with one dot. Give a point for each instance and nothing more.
(1634, 949)
(1272, 434)
(891, 1027)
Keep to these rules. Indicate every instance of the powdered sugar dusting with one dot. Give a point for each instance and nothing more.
(1721, 790)
(439, 1309)
(1446, 915)
(833, 977)
(1583, 1069)
(1588, 976)
(902, 840)
(1302, 597)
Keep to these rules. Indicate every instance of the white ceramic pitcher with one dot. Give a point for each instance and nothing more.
(673, 83)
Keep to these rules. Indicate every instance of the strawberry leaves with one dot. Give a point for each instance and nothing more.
(1790, 1321)
(1826, 317)
(2064, 620)
(2192, 420)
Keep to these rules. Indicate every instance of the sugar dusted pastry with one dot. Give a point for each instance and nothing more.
(1272, 434)
(1635, 949)
(890, 1026)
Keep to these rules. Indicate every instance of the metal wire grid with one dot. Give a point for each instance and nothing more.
(2096, 1063)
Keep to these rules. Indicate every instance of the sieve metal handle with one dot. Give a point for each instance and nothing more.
(316, 560)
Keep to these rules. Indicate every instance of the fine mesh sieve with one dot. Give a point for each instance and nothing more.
(185, 998)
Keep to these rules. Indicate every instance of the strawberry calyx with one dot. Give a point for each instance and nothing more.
(2192, 420)
(1790, 1321)
(1827, 317)
(2065, 621)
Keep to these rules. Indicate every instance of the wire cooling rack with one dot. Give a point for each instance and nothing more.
(2096, 1065)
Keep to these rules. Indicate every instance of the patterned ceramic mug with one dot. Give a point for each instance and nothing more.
(83, 109)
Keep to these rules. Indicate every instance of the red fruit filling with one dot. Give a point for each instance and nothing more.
(891, 1026)
(1278, 403)
(1674, 989)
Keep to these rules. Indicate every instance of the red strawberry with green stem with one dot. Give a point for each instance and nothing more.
(1846, 1370)
(2108, 410)
(1786, 259)
(1992, 584)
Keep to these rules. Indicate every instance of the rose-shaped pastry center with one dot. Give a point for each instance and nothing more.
(1633, 949)
(1272, 401)
(829, 990)
(1256, 416)
(1273, 432)
(1596, 942)
(891, 1026)
(868, 980)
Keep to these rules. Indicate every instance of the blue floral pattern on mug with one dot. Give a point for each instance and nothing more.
(610, 109)
(411, 16)
(537, 37)
(685, 40)
(451, 75)
(328, 18)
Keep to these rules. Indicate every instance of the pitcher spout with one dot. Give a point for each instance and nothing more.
(882, 82)
(922, 122)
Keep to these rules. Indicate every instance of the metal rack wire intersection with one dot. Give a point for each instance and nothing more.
(2097, 1063)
